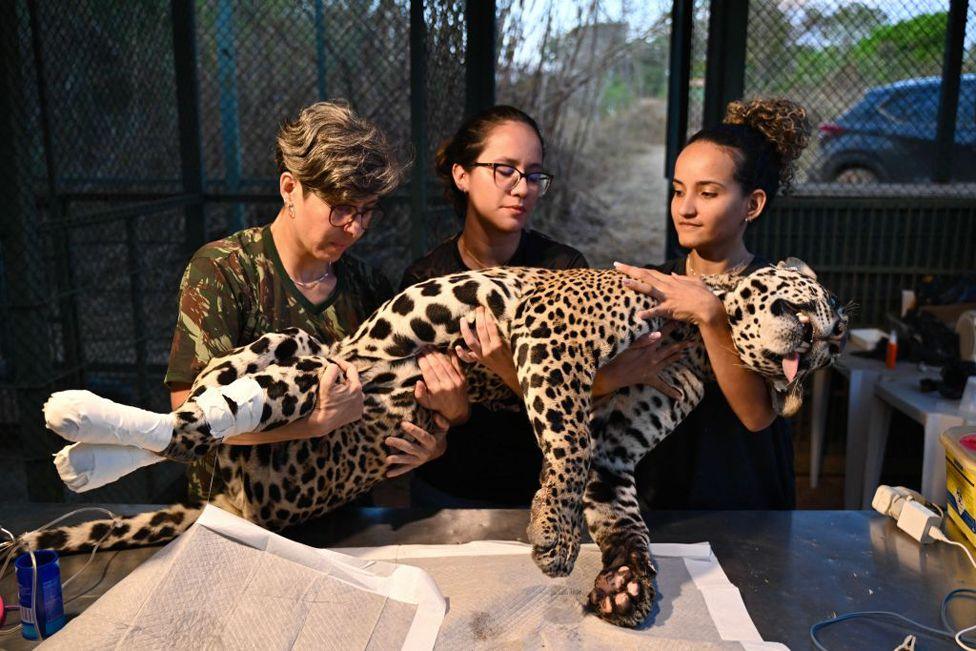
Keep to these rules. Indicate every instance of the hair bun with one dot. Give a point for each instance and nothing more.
(782, 122)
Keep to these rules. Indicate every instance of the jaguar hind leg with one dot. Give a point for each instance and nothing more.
(113, 440)
(625, 429)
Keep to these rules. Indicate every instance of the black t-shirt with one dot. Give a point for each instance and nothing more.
(712, 461)
(494, 456)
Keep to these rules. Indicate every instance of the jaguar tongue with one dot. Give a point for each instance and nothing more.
(791, 364)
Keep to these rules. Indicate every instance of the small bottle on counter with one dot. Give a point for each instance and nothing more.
(891, 353)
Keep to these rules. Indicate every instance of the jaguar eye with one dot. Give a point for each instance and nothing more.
(781, 307)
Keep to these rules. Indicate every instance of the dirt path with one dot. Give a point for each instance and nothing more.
(631, 227)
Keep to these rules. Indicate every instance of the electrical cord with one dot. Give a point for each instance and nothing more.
(941, 537)
(944, 615)
(873, 613)
(933, 532)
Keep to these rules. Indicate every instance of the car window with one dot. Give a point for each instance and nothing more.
(916, 105)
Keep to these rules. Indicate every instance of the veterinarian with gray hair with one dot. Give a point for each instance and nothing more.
(333, 168)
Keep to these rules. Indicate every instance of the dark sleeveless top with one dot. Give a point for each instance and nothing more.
(712, 461)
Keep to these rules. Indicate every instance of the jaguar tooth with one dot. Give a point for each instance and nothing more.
(803, 318)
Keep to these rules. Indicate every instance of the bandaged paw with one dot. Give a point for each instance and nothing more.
(84, 417)
(86, 466)
(232, 409)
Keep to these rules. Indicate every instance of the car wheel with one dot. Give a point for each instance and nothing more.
(856, 175)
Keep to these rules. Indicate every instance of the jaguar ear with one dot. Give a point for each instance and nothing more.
(799, 265)
(787, 403)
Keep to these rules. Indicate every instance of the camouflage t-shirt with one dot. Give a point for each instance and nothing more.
(234, 290)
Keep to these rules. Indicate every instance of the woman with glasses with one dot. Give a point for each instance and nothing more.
(333, 168)
(493, 176)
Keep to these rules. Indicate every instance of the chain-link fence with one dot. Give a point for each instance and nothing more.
(97, 235)
(594, 76)
(870, 76)
(866, 213)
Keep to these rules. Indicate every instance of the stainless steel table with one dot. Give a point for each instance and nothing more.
(793, 568)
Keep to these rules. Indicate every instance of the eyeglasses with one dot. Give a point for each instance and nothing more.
(508, 176)
(342, 215)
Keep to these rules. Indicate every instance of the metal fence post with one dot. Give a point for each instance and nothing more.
(138, 319)
(188, 109)
(320, 67)
(229, 105)
(945, 134)
(725, 58)
(57, 210)
(679, 74)
(479, 55)
(32, 366)
(418, 128)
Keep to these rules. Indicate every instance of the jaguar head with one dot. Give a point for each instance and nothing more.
(785, 325)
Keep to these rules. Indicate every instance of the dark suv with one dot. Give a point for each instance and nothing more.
(889, 136)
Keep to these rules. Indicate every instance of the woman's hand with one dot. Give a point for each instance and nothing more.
(486, 346)
(444, 388)
(425, 446)
(688, 299)
(642, 363)
(679, 297)
(339, 402)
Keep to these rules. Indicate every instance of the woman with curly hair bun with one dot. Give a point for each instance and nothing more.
(733, 451)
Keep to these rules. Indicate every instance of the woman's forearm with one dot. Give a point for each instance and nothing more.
(510, 378)
(745, 391)
(604, 384)
(299, 429)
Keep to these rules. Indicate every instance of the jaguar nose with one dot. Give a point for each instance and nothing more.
(838, 330)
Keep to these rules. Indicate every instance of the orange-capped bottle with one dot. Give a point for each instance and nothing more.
(891, 353)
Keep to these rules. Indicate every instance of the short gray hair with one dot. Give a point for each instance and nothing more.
(337, 154)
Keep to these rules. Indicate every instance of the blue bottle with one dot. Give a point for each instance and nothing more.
(49, 604)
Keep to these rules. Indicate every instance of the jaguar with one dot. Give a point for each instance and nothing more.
(561, 327)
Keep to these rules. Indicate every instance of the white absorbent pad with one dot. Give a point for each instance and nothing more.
(500, 600)
(229, 584)
(86, 466)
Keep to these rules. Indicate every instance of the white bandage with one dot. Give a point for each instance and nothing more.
(86, 466)
(246, 394)
(83, 417)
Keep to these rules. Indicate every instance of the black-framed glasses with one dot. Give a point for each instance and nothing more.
(508, 176)
(342, 215)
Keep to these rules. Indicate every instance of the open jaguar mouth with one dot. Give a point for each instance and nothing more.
(791, 362)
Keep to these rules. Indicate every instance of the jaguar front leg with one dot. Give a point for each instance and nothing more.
(558, 406)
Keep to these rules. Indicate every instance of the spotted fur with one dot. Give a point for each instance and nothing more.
(561, 326)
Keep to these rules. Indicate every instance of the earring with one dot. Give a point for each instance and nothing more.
(291, 209)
